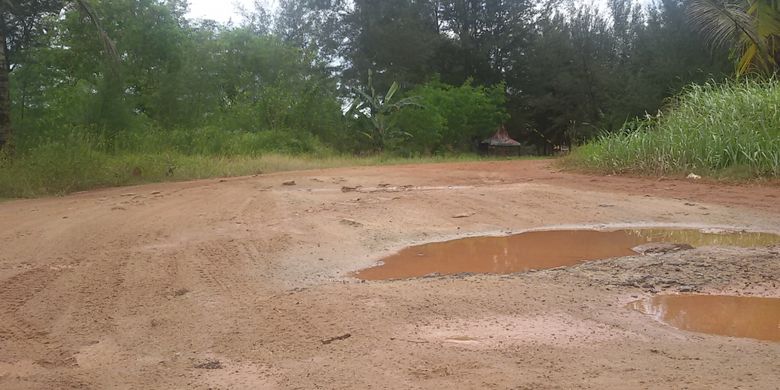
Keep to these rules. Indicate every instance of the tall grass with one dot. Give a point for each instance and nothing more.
(729, 130)
(79, 159)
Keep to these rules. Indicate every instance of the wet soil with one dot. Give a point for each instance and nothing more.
(547, 249)
(136, 287)
(734, 316)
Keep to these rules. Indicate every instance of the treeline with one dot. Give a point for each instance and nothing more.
(554, 72)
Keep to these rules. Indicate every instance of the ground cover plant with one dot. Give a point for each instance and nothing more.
(723, 130)
(79, 160)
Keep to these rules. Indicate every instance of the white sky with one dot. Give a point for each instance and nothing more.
(222, 10)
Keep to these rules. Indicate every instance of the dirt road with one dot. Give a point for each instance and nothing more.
(244, 284)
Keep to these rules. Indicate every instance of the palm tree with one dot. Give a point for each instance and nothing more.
(750, 27)
(10, 6)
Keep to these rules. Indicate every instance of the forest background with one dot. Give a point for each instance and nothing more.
(136, 90)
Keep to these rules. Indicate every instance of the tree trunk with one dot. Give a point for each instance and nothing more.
(5, 96)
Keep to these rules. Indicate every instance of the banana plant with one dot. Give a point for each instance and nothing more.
(378, 109)
(750, 27)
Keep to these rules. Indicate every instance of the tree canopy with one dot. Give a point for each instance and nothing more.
(554, 71)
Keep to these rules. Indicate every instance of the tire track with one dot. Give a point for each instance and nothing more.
(20, 336)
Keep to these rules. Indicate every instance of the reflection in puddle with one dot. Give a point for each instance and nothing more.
(756, 318)
(541, 250)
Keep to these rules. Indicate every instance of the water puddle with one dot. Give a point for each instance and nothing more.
(749, 317)
(542, 250)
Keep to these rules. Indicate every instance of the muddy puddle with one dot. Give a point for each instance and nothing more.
(542, 250)
(747, 317)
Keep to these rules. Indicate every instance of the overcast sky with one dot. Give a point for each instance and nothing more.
(224, 10)
(221, 10)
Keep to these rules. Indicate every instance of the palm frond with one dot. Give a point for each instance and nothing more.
(722, 22)
(747, 60)
(108, 45)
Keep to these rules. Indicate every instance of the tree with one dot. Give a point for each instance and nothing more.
(313, 25)
(750, 27)
(395, 39)
(20, 24)
(5, 90)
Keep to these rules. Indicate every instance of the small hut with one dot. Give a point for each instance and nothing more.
(501, 144)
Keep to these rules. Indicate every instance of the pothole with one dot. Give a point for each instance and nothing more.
(746, 317)
(539, 250)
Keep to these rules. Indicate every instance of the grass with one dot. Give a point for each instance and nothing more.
(723, 131)
(59, 169)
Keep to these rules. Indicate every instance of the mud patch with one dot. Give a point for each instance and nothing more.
(544, 250)
(714, 270)
(746, 317)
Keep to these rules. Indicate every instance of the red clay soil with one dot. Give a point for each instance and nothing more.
(244, 284)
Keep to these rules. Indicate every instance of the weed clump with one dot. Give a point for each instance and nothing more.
(729, 130)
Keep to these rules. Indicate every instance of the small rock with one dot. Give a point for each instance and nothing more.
(694, 176)
(349, 189)
(352, 223)
(464, 215)
(289, 183)
(180, 292)
(337, 338)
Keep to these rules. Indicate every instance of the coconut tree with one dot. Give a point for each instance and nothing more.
(751, 28)
(17, 18)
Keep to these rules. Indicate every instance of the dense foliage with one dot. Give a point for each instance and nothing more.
(127, 77)
(565, 69)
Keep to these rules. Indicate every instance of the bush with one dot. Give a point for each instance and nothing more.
(730, 129)
(450, 118)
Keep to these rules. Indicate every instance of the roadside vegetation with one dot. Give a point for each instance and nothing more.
(729, 130)
(98, 93)
(73, 169)
(79, 160)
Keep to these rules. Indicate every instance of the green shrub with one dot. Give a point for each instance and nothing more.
(450, 118)
(730, 129)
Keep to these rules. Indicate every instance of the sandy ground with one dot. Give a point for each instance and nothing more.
(244, 284)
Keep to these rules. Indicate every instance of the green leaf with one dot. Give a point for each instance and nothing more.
(393, 89)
